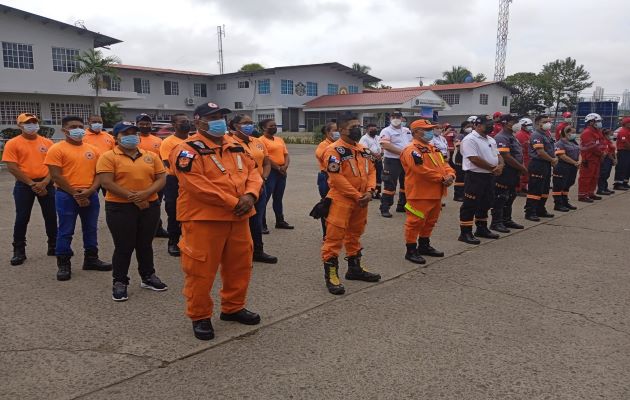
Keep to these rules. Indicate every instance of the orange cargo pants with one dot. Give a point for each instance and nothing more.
(422, 227)
(204, 246)
(344, 226)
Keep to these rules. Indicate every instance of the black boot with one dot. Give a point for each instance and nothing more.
(412, 254)
(51, 247)
(173, 248)
(19, 253)
(63, 268)
(483, 232)
(357, 273)
(331, 276)
(425, 248)
(499, 227)
(92, 263)
(543, 213)
(561, 207)
(467, 236)
(567, 204)
(513, 225)
(160, 231)
(203, 329)
(282, 224)
(261, 256)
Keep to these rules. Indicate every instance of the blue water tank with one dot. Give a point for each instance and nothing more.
(609, 111)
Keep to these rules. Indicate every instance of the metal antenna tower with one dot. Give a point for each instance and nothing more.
(221, 35)
(502, 36)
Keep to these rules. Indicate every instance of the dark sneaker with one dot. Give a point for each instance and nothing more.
(585, 199)
(243, 316)
(265, 230)
(595, 197)
(544, 214)
(484, 232)
(499, 228)
(161, 233)
(119, 292)
(203, 329)
(173, 248)
(284, 225)
(561, 208)
(570, 206)
(532, 217)
(513, 225)
(154, 283)
(386, 214)
(261, 256)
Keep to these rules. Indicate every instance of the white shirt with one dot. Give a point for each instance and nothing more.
(399, 137)
(475, 145)
(441, 144)
(371, 143)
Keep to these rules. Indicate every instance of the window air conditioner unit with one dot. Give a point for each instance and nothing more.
(190, 101)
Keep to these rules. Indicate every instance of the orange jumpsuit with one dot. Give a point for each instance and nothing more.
(425, 170)
(351, 173)
(212, 178)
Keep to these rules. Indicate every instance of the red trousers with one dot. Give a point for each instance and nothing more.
(204, 246)
(422, 227)
(589, 174)
(344, 226)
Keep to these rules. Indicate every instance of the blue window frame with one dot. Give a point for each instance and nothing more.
(353, 89)
(264, 86)
(286, 86)
(333, 88)
(311, 88)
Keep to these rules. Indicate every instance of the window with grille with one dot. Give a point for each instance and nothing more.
(333, 88)
(200, 90)
(142, 86)
(171, 88)
(60, 110)
(9, 110)
(112, 83)
(65, 60)
(352, 89)
(286, 86)
(238, 105)
(262, 117)
(450, 98)
(17, 55)
(504, 101)
(311, 88)
(264, 86)
(483, 99)
(243, 84)
(221, 86)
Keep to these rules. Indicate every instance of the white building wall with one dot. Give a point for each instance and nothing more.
(469, 103)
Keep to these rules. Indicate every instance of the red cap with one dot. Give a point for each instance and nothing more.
(566, 114)
(497, 114)
(625, 120)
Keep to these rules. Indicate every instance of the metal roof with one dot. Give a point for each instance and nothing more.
(451, 86)
(159, 70)
(334, 65)
(367, 98)
(100, 40)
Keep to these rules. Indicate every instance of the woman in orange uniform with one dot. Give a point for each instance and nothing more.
(132, 178)
(330, 135)
(427, 175)
(242, 129)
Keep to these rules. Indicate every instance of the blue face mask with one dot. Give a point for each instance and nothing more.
(529, 128)
(573, 137)
(217, 128)
(130, 141)
(336, 136)
(428, 135)
(96, 127)
(598, 125)
(247, 129)
(76, 134)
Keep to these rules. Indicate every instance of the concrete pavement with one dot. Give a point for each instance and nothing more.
(541, 313)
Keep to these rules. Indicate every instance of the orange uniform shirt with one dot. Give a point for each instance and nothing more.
(102, 140)
(77, 163)
(425, 170)
(319, 153)
(150, 143)
(133, 174)
(212, 178)
(351, 171)
(165, 149)
(256, 149)
(29, 155)
(276, 148)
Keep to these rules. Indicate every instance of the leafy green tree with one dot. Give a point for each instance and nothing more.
(566, 79)
(251, 67)
(361, 68)
(111, 114)
(533, 92)
(94, 66)
(458, 74)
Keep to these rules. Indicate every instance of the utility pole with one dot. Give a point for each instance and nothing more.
(221, 35)
(502, 36)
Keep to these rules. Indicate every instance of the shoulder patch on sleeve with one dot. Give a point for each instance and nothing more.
(333, 164)
(417, 157)
(184, 160)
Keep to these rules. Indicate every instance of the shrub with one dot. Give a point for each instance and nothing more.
(10, 133)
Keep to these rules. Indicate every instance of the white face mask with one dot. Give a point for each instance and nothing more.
(468, 130)
(96, 127)
(546, 126)
(598, 125)
(568, 120)
(30, 128)
(396, 122)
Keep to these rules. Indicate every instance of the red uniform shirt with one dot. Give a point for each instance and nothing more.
(523, 138)
(496, 129)
(623, 139)
(592, 144)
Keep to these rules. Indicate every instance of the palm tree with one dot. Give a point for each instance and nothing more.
(459, 74)
(111, 114)
(361, 68)
(94, 66)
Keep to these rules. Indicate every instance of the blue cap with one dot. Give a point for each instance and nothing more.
(143, 116)
(122, 126)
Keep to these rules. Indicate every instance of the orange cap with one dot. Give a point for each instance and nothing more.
(422, 123)
(25, 117)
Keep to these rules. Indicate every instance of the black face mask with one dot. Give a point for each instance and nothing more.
(372, 133)
(272, 131)
(144, 129)
(355, 134)
(184, 127)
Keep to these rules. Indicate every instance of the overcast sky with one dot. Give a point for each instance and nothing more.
(399, 39)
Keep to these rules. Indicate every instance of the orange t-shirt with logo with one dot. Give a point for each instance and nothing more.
(165, 149)
(29, 155)
(102, 140)
(150, 143)
(256, 149)
(77, 163)
(134, 174)
(276, 148)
